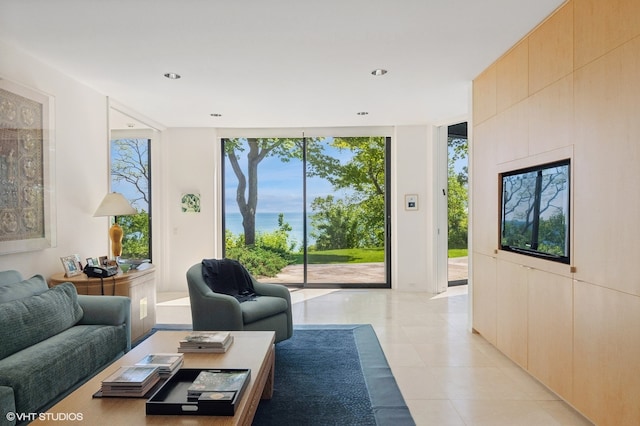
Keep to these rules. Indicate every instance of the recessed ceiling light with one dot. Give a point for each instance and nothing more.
(215, 114)
(363, 113)
(379, 71)
(172, 76)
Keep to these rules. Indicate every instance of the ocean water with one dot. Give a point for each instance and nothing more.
(268, 222)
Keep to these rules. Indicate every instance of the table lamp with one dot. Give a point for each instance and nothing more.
(114, 204)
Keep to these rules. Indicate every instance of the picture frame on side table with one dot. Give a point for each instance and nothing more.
(27, 178)
(71, 264)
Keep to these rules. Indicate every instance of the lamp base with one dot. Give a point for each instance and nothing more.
(115, 234)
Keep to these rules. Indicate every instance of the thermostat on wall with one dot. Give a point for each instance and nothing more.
(411, 202)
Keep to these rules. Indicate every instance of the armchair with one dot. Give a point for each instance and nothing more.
(270, 311)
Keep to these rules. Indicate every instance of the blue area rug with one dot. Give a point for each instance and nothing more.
(333, 375)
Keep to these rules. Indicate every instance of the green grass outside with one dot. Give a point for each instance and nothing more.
(356, 255)
(458, 252)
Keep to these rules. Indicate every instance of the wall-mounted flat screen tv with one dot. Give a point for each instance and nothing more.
(535, 211)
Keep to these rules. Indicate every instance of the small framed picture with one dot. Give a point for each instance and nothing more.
(93, 261)
(190, 203)
(102, 261)
(71, 265)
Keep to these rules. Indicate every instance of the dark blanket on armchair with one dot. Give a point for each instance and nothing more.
(228, 276)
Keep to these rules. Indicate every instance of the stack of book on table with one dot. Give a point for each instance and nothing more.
(167, 363)
(131, 381)
(206, 341)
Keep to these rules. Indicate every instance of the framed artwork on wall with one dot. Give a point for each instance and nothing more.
(190, 203)
(27, 187)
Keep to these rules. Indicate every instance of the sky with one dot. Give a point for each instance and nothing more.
(128, 190)
(280, 184)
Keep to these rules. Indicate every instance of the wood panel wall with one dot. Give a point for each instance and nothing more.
(569, 89)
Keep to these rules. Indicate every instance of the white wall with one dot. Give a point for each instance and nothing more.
(414, 232)
(190, 162)
(81, 164)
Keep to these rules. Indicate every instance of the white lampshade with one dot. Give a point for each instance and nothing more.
(114, 204)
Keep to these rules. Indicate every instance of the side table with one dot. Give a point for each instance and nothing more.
(138, 285)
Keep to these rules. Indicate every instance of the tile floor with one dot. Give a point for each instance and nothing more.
(447, 375)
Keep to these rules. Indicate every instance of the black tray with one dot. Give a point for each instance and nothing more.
(171, 398)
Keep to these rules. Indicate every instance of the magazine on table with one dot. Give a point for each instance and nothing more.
(167, 363)
(133, 381)
(206, 348)
(223, 382)
(209, 338)
(206, 341)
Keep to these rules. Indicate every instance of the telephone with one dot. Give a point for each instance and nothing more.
(100, 272)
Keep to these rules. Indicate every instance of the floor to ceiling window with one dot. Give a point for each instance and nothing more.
(458, 204)
(308, 211)
(131, 176)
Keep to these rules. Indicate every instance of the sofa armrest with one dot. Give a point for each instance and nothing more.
(107, 310)
(7, 405)
(216, 311)
(276, 290)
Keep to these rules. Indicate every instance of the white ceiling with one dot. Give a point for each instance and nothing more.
(275, 63)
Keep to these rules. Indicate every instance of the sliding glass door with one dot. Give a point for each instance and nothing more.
(263, 206)
(309, 211)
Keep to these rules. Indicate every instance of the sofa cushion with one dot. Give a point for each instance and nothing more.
(42, 374)
(262, 307)
(13, 290)
(27, 321)
(10, 276)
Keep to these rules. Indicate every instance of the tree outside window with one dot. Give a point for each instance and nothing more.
(457, 199)
(131, 176)
(344, 181)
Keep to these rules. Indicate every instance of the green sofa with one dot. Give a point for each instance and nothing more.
(52, 341)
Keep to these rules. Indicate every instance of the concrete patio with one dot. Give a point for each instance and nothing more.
(356, 273)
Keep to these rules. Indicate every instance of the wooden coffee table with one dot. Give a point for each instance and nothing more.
(250, 349)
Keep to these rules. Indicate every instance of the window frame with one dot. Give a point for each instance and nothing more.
(387, 204)
(148, 140)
